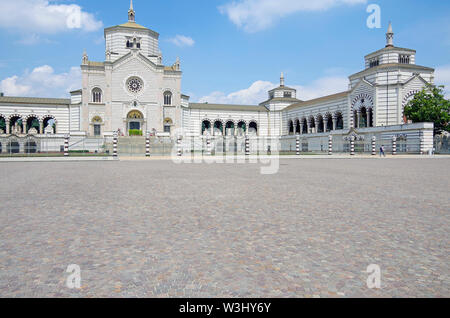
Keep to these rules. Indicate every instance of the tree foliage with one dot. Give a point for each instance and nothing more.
(430, 105)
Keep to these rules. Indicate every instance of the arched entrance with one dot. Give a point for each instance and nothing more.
(135, 122)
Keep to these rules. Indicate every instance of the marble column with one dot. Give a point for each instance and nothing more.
(369, 118)
(301, 128)
(41, 127)
(325, 123)
(334, 122)
(358, 118)
(7, 127)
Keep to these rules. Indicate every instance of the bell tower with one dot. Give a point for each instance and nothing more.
(131, 13)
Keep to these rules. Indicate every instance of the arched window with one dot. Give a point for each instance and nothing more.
(297, 127)
(97, 95)
(167, 125)
(339, 121)
(206, 127)
(3, 125)
(167, 98)
(253, 128)
(291, 127)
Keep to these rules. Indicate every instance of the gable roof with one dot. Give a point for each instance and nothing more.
(318, 100)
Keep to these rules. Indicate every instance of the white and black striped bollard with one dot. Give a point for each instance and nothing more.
(115, 145)
(147, 145)
(352, 145)
(297, 145)
(422, 145)
(394, 146)
(374, 146)
(66, 145)
(247, 146)
(330, 145)
(208, 146)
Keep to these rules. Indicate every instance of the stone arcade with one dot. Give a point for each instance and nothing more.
(133, 92)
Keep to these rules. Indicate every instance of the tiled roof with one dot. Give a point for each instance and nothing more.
(318, 100)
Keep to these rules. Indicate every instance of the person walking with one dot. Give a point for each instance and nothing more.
(382, 151)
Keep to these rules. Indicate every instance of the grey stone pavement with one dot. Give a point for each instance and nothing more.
(157, 229)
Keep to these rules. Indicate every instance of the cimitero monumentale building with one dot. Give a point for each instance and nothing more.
(132, 90)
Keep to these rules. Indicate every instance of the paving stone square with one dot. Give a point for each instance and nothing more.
(159, 229)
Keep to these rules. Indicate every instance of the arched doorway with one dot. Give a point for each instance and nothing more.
(135, 122)
(305, 126)
(312, 125)
(229, 128)
(49, 124)
(3, 125)
(15, 125)
(291, 127)
(329, 123)
(33, 123)
(320, 126)
(339, 121)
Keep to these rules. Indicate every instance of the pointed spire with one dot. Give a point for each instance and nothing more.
(390, 36)
(131, 13)
(282, 79)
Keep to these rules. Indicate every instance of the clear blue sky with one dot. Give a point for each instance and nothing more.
(233, 46)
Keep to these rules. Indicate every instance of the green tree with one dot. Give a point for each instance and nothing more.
(430, 105)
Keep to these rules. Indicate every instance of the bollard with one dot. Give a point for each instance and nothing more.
(208, 146)
(180, 150)
(394, 146)
(297, 145)
(247, 146)
(330, 145)
(374, 146)
(352, 145)
(66, 145)
(115, 145)
(147, 145)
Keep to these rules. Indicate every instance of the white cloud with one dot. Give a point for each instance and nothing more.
(182, 40)
(42, 82)
(39, 16)
(442, 77)
(258, 91)
(257, 15)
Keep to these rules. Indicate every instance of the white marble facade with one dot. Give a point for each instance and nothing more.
(132, 90)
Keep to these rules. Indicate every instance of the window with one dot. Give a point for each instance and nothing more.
(374, 62)
(287, 94)
(166, 129)
(97, 130)
(96, 95)
(134, 85)
(404, 59)
(128, 44)
(167, 98)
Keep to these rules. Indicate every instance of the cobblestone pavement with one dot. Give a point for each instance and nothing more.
(157, 229)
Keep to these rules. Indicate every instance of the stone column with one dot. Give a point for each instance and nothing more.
(24, 126)
(41, 127)
(7, 127)
(325, 123)
(308, 126)
(358, 118)
(334, 122)
(301, 128)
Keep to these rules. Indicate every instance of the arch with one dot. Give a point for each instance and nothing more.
(229, 128)
(30, 146)
(253, 127)
(408, 97)
(290, 127)
(297, 127)
(305, 126)
(339, 121)
(242, 127)
(363, 99)
(167, 98)
(363, 117)
(32, 121)
(329, 122)
(3, 124)
(12, 146)
(49, 120)
(218, 128)
(15, 123)
(97, 95)
(320, 126)
(135, 114)
(97, 120)
(206, 127)
(312, 125)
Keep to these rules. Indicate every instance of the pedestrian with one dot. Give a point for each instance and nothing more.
(382, 151)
